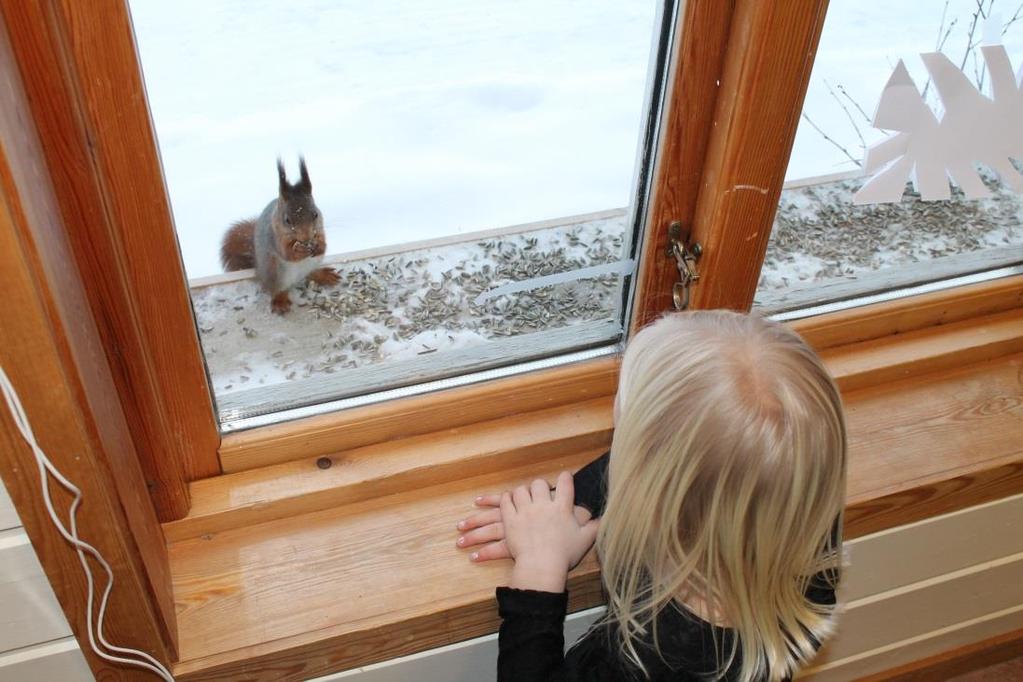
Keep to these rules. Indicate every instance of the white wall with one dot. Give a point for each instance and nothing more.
(35, 641)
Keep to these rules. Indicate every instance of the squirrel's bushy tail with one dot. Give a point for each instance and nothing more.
(237, 250)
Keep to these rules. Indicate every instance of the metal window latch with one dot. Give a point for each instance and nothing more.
(685, 258)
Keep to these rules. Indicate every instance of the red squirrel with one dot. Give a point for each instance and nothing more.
(285, 244)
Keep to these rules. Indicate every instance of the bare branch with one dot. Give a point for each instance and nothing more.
(941, 26)
(970, 44)
(829, 139)
(1016, 16)
(979, 71)
(848, 115)
(856, 104)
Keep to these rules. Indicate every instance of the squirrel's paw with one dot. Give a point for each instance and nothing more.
(325, 276)
(281, 303)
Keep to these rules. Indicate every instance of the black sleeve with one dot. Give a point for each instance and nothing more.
(531, 642)
(822, 586)
(591, 485)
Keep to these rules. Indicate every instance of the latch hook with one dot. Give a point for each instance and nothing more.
(685, 259)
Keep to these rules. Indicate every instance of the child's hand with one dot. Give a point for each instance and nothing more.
(543, 535)
(485, 528)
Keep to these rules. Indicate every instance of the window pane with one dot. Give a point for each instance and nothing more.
(452, 147)
(824, 247)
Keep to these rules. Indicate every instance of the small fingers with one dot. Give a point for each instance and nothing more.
(491, 500)
(507, 506)
(483, 518)
(491, 552)
(521, 497)
(540, 490)
(582, 514)
(564, 494)
(490, 533)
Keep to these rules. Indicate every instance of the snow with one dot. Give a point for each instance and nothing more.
(860, 45)
(417, 119)
(396, 307)
(426, 120)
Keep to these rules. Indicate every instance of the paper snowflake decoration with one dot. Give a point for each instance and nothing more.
(974, 129)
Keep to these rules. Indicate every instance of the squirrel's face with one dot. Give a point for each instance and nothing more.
(301, 234)
(298, 223)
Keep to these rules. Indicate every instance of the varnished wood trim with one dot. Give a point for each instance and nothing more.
(86, 96)
(51, 349)
(934, 443)
(412, 591)
(958, 661)
(339, 431)
(771, 48)
(890, 358)
(315, 483)
(911, 313)
(930, 444)
(687, 123)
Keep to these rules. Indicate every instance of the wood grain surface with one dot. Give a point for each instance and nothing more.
(86, 96)
(911, 313)
(687, 122)
(890, 358)
(933, 444)
(959, 661)
(320, 482)
(387, 421)
(771, 48)
(930, 444)
(51, 349)
(303, 596)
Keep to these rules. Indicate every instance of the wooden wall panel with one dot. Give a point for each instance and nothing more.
(934, 547)
(872, 665)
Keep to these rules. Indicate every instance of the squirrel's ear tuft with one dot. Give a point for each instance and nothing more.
(304, 182)
(284, 185)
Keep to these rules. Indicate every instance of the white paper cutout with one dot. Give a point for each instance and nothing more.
(974, 129)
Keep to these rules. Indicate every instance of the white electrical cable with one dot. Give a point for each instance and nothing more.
(81, 547)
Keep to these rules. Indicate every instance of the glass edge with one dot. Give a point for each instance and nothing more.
(896, 294)
(244, 423)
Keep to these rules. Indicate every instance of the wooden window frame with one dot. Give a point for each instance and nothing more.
(89, 208)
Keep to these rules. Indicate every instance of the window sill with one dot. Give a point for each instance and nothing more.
(364, 568)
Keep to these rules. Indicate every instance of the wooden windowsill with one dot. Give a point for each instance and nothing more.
(291, 571)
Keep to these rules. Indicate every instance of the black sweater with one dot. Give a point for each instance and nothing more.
(532, 640)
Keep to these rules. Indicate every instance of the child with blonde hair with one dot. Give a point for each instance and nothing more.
(719, 510)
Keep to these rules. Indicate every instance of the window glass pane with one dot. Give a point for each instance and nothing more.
(451, 147)
(824, 247)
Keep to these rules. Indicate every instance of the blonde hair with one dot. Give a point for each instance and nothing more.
(726, 486)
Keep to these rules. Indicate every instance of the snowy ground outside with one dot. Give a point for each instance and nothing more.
(407, 305)
(420, 120)
(426, 120)
(397, 307)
